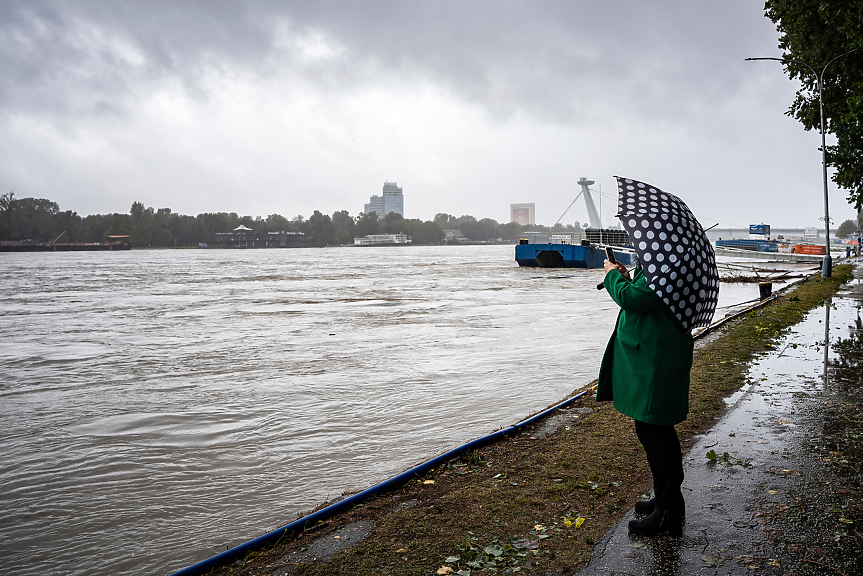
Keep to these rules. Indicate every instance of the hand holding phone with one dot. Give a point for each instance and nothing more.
(609, 253)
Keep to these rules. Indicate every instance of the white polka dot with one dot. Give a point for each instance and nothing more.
(660, 257)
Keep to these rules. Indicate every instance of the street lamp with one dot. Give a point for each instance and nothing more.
(827, 263)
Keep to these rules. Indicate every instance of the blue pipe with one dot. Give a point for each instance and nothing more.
(238, 552)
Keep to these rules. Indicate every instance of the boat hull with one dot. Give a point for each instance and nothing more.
(564, 256)
(76, 247)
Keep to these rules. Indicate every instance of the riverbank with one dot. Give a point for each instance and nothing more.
(539, 501)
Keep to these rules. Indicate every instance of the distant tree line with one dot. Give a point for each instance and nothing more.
(38, 218)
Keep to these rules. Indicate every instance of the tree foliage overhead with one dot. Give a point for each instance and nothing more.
(816, 31)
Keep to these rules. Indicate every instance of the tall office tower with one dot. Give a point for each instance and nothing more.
(392, 200)
(523, 214)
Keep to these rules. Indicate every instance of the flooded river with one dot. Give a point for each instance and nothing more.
(159, 406)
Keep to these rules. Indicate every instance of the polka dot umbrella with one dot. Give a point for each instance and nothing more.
(677, 258)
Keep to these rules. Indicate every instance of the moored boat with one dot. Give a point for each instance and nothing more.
(583, 255)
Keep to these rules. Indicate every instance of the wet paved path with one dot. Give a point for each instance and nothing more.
(763, 434)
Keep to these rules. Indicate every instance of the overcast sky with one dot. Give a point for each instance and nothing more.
(261, 107)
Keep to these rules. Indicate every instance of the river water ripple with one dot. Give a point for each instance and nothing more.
(159, 406)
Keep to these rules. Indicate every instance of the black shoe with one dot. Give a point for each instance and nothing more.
(645, 506)
(660, 522)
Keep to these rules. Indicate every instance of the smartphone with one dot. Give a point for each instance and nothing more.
(609, 253)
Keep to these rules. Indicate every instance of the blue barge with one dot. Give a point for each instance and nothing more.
(566, 255)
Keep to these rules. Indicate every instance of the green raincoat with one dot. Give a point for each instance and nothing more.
(645, 369)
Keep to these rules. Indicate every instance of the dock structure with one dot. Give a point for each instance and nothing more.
(243, 237)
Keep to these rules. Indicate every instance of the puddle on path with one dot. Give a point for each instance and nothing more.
(764, 447)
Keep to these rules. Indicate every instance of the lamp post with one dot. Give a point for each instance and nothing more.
(827, 263)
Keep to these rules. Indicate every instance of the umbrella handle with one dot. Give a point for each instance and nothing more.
(600, 286)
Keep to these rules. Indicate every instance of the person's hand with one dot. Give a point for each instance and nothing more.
(609, 266)
(623, 271)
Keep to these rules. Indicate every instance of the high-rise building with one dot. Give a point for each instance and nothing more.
(523, 214)
(392, 200)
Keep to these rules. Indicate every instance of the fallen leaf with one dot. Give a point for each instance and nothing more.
(774, 562)
(493, 550)
(337, 537)
(428, 481)
(401, 550)
(527, 544)
(451, 559)
(846, 521)
(638, 545)
(567, 522)
(539, 527)
(711, 455)
(444, 570)
(579, 521)
(773, 492)
(714, 561)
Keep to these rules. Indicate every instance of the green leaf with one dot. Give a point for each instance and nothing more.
(711, 455)
(493, 550)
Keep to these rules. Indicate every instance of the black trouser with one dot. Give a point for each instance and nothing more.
(666, 464)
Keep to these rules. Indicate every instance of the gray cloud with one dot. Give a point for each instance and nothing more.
(313, 104)
(556, 60)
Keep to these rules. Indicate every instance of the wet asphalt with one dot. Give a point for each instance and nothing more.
(761, 460)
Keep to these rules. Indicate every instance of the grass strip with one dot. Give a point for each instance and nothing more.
(534, 504)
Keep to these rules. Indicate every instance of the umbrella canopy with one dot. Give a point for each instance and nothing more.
(677, 258)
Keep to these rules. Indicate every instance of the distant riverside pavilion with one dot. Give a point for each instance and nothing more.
(392, 200)
(243, 237)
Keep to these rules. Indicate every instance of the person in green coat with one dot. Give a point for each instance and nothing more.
(645, 372)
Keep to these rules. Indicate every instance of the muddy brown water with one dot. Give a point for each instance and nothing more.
(159, 406)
